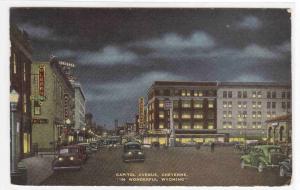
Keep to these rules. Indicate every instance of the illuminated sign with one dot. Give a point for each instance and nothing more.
(42, 80)
(141, 111)
(66, 100)
(39, 121)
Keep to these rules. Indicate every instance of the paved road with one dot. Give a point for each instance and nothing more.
(201, 167)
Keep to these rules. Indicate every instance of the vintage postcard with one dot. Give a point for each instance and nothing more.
(150, 96)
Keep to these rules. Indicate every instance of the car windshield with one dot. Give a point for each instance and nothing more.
(68, 150)
(275, 150)
(133, 146)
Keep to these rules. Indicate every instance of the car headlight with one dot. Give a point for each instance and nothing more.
(71, 158)
(140, 153)
(129, 153)
(60, 159)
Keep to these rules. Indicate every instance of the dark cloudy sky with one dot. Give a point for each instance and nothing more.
(120, 52)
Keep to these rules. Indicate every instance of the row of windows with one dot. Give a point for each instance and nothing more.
(185, 92)
(242, 125)
(256, 94)
(15, 67)
(284, 105)
(187, 125)
(187, 104)
(255, 114)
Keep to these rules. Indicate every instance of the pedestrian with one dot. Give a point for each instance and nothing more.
(212, 147)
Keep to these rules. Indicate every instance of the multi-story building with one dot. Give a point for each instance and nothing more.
(20, 72)
(53, 106)
(194, 112)
(79, 107)
(244, 107)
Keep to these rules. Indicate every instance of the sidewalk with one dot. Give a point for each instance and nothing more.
(38, 168)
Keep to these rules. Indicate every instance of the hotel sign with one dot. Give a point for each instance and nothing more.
(42, 80)
(141, 111)
(66, 111)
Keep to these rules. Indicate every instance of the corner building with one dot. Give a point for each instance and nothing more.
(194, 112)
(244, 107)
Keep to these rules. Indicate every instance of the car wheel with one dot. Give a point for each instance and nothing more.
(281, 171)
(260, 167)
(242, 164)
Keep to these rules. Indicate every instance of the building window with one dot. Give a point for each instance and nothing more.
(253, 105)
(210, 126)
(183, 93)
(239, 125)
(245, 104)
(273, 114)
(244, 114)
(161, 114)
(239, 114)
(288, 105)
(186, 104)
(224, 104)
(259, 114)
(161, 125)
(254, 94)
(175, 115)
(24, 103)
(37, 108)
(224, 114)
(161, 104)
(210, 104)
(259, 104)
(198, 125)
(259, 94)
(239, 104)
(229, 94)
(200, 93)
(283, 95)
(268, 94)
(268, 114)
(268, 105)
(224, 124)
(244, 124)
(288, 95)
(273, 94)
(198, 104)
(188, 93)
(283, 105)
(244, 94)
(273, 104)
(14, 64)
(24, 71)
(224, 94)
(253, 125)
(258, 124)
(229, 104)
(26, 143)
(175, 103)
(186, 125)
(198, 116)
(239, 94)
(186, 116)
(229, 114)
(253, 114)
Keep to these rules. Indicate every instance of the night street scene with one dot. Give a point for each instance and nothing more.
(150, 97)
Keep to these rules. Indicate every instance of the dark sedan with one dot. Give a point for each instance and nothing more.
(69, 157)
(133, 152)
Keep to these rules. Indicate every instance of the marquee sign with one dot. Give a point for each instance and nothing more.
(66, 99)
(42, 80)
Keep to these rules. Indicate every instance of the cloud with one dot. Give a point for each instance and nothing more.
(37, 32)
(173, 41)
(248, 78)
(285, 47)
(127, 90)
(250, 22)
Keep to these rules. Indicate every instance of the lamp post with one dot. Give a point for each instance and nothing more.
(14, 99)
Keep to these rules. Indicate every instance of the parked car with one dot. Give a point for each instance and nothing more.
(132, 151)
(263, 156)
(69, 157)
(285, 167)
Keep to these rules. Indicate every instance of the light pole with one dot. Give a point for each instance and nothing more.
(14, 99)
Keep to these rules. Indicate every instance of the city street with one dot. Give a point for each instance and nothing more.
(192, 167)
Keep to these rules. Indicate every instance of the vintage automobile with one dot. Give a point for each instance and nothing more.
(263, 156)
(285, 167)
(133, 152)
(69, 157)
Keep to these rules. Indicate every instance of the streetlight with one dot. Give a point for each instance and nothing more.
(14, 99)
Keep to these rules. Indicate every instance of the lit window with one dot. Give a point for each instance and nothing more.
(259, 104)
(175, 103)
(161, 125)
(210, 104)
(183, 93)
(175, 115)
(24, 71)
(258, 124)
(186, 116)
(198, 126)
(24, 104)
(239, 125)
(254, 105)
(229, 114)
(14, 64)
(198, 116)
(239, 104)
(161, 104)
(186, 126)
(245, 104)
(186, 104)
(224, 114)
(161, 114)
(229, 104)
(229, 125)
(200, 93)
(268, 114)
(259, 94)
(225, 104)
(254, 94)
(195, 93)
(198, 104)
(224, 125)
(210, 126)
(188, 93)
